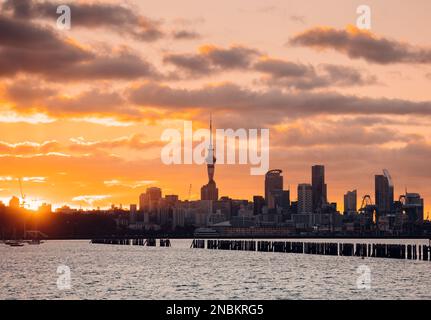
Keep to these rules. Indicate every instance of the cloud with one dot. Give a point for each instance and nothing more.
(27, 96)
(93, 101)
(26, 91)
(89, 102)
(90, 199)
(185, 35)
(122, 65)
(135, 141)
(25, 179)
(30, 48)
(33, 49)
(34, 179)
(28, 147)
(118, 18)
(337, 134)
(77, 146)
(295, 75)
(14, 117)
(192, 64)
(271, 105)
(129, 184)
(356, 44)
(213, 59)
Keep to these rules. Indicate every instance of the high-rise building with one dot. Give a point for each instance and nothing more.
(132, 218)
(45, 208)
(143, 202)
(154, 196)
(384, 193)
(305, 198)
(210, 190)
(414, 208)
(150, 200)
(273, 182)
(258, 204)
(171, 199)
(281, 199)
(319, 187)
(350, 202)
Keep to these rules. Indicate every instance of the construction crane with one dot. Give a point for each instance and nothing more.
(22, 193)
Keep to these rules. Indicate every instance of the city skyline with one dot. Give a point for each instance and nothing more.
(81, 115)
(383, 196)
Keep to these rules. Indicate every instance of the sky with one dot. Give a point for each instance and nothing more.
(82, 110)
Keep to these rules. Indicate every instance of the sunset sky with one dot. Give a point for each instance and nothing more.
(82, 110)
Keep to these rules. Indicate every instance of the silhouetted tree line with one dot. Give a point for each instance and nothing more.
(14, 222)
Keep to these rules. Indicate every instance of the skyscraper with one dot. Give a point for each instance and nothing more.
(210, 190)
(319, 187)
(350, 202)
(258, 204)
(281, 199)
(154, 195)
(132, 217)
(305, 198)
(273, 182)
(414, 208)
(384, 193)
(143, 202)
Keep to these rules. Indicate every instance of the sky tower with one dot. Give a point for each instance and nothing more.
(210, 191)
(211, 159)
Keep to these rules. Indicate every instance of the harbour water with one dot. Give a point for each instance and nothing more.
(178, 272)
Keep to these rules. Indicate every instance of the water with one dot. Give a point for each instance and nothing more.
(135, 272)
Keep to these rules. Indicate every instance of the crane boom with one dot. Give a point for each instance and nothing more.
(22, 193)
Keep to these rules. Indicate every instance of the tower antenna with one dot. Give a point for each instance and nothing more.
(211, 131)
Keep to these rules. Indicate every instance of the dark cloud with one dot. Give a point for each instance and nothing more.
(211, 59)
(88, 102)
(284, 69)
(272, 105)
(28, 92)
(306, 135)
(233, 57)
(362, 44)
(373, 120)
(301, 76)
(118, 18)
(186, 35)
(123, 65)
(214, 59)
(27, 96)
(29, 48)
(191, 64)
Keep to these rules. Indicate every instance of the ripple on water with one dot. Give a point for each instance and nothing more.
(132, 272)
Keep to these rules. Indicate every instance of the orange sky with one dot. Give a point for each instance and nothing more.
(82, 110)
